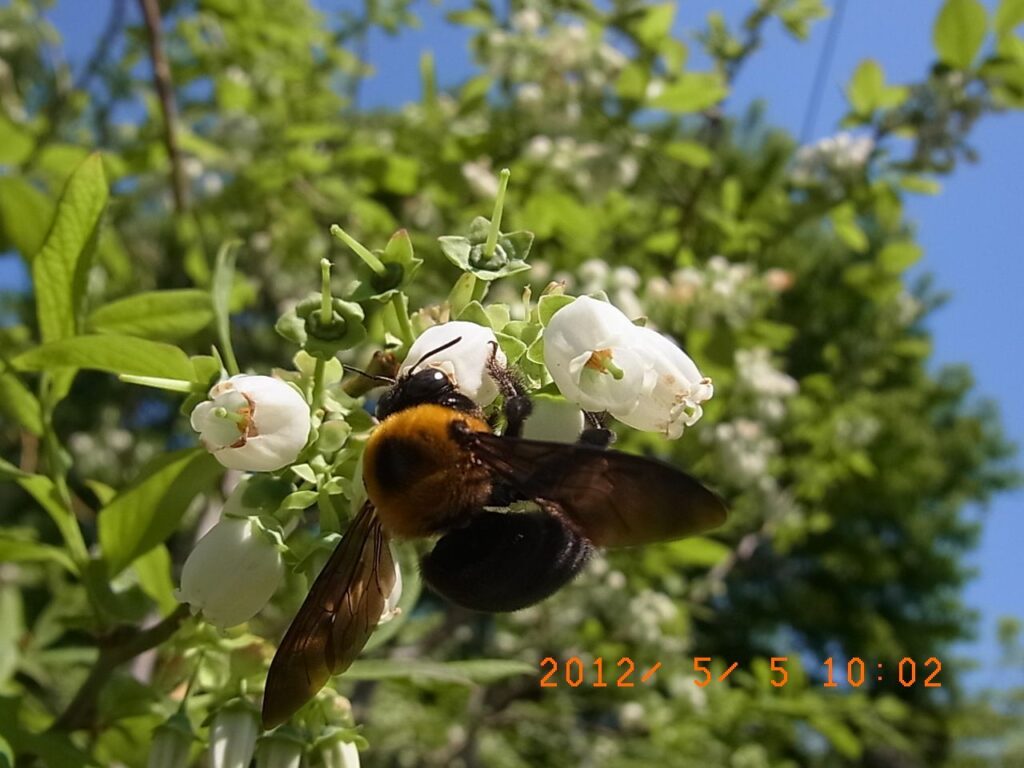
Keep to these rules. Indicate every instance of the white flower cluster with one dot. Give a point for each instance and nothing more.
(584, 164)
(602, 362)
(720, 289)
(764, 384)
(620, 284)
(839, 155)
(744, 451)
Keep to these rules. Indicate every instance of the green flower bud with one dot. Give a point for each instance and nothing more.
(172, 741)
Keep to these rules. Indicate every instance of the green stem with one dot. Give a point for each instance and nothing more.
(229, 360)
(114, 651)
(318, 384)
(67, 523)
(499, 204)
(171, 385)
(403, 320)
(361, 251)
(329, 519)
(325, 291)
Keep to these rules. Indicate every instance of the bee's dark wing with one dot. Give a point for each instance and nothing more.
(335, 621)
(616, 499)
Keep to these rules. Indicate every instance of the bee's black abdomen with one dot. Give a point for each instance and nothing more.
(505, 561)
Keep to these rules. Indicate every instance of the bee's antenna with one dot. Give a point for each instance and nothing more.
(370, 376)
(433, 352)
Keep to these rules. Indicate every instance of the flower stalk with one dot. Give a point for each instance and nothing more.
(499, 205)
(361, 250)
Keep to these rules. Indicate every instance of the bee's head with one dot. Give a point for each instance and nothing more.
(424, 386)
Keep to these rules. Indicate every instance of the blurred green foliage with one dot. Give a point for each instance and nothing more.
(847, 463)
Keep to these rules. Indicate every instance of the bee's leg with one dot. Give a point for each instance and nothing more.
(518, 405)
(596, 433)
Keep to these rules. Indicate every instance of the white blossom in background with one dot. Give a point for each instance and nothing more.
(554, 419)
(527, 20)
(744, 450)
(234, 570)
(840, 155)
(482, 179)
(593, 275)
(253, 423)
(465, 362)
(767, 386)
(719, 289)
(623, 284)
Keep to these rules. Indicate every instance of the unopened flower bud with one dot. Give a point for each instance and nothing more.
(172, 741)
(233, 737)
(232, 572)
(281, 748)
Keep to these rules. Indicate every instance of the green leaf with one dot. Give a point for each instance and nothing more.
(160, 315)
(699, 551)
(6, 753)
(16, 142)
(654, 25)
(114, 354)
(59, 271)
(959, 32)
(549, 304)
(299, 500)
(691, 153)
(12, 628)
(867, 90)
(456, 672)
(15, 550)
(19, 404)
(691, 92)
(896, 257)
(844, 221)
(149, 510)
(1009, 15)
(42, 489)
(922, 185)
(154, 572)
(25, 215)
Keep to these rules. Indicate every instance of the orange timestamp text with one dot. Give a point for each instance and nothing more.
(625, 673)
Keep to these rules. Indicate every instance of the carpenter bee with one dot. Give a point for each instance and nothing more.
(433, 467)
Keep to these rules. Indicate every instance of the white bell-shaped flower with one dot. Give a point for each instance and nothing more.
(253, 423)
(337, 753)
(673, 388)
(232, 572)
(588, 351)
(391, 609)
(233, 738)
(465, 361)
(554, 419)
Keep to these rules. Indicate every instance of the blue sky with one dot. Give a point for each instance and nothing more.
(969, 232)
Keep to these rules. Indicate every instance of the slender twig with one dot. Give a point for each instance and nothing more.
(165, 91)
(115, 650)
